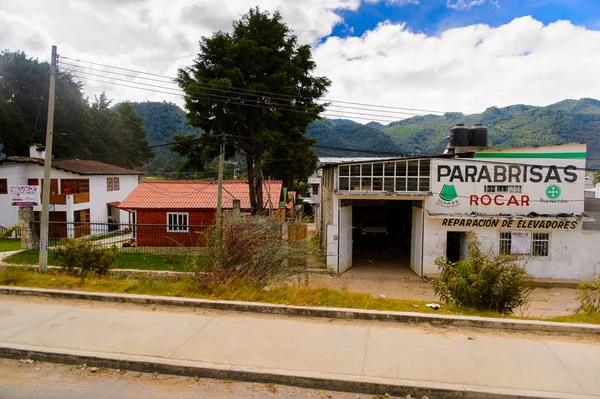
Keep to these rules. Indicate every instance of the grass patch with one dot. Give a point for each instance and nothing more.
(299, 295)
(10, 244)
(587, 318)
(127, 260)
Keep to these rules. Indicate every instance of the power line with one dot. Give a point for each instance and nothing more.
(234, 100)
(260, 91)
(238, 91)
(325, 113)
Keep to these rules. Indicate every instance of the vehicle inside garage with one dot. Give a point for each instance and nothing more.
(382, 234)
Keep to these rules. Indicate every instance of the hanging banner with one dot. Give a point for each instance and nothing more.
(25, 195)
(520, 242)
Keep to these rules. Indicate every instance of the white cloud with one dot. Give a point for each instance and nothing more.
(467, 4)
(464, 69)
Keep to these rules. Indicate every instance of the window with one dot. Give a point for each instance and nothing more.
(116, 184)
(505, 243)
(3, 186)
(412, 175)
(504, 189)
(540, 244)
(74, 186)
(109, 184)
(177, 222)
(315, 189)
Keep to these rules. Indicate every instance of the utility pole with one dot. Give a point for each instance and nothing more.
(220, 188)
(47, 161)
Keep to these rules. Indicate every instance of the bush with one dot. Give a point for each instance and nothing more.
(484, 281)
(588, 294)
(251, 250)
(80, 257)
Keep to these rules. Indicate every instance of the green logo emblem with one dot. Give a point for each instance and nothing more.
(448, 192)
(553, 191)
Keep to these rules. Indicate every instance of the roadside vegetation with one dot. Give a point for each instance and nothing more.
(297, 294)
(125, 260)
(484, 281)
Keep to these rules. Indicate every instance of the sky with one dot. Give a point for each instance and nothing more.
(440, 55)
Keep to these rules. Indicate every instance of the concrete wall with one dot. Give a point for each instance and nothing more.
(574, 254)
(18, 174)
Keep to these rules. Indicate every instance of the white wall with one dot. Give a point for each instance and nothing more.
(18, 174)
(574, 254)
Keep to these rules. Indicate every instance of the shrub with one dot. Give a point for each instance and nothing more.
(484, 281)
(588, 294)
(251, 250)
(80, 257)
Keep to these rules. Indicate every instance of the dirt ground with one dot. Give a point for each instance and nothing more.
(544, 302)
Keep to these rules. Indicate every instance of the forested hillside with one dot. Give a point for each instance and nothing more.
(162, 120)
(121, 134)
(513, 126)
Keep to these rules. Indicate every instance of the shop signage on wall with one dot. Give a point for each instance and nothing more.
(511, 223)
(25, 195)
(507, 173)
(520, 242)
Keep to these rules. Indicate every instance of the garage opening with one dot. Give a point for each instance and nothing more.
(383, 236)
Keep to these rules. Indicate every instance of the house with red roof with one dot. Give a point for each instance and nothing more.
(179, 212)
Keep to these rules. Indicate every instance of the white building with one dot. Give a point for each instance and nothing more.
(82, 191)
(413, 210)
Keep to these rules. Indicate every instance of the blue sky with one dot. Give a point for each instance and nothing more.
(434, 16)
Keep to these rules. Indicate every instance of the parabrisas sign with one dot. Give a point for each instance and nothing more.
(507, 173)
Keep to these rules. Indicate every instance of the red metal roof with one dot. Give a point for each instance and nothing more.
(197, 194)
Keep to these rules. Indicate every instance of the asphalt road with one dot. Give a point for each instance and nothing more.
(21, 380)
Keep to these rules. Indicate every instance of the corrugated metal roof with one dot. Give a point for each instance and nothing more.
(197, 194)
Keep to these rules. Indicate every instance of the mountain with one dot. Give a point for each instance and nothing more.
(348, 134)
(513, 126)
(162, 120)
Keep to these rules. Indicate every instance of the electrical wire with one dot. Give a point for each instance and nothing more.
(242, 102)
(236, 91)
(272, 94)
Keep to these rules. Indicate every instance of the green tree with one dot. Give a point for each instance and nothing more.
(597, 177)
(24, 85)
(119, 131)
(227, 92)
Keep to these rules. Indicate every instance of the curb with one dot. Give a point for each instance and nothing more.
(307, 311)
(315, 380)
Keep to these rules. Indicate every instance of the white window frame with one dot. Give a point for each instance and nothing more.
(179, 225)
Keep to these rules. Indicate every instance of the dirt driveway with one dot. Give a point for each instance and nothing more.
(544, 302)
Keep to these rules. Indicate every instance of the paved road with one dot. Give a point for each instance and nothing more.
(473, 359)
(19, 380)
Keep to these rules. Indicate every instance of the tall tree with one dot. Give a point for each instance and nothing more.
(24, 84)
(256, 85)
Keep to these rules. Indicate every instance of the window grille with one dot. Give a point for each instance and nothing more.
(396, 176)
(177, 222)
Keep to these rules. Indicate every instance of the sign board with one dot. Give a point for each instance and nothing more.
(520, 242)
(544, 180)
(25, 195)
(541, 224)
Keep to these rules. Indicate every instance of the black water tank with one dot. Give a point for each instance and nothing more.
(479, 135)
(459, 136)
